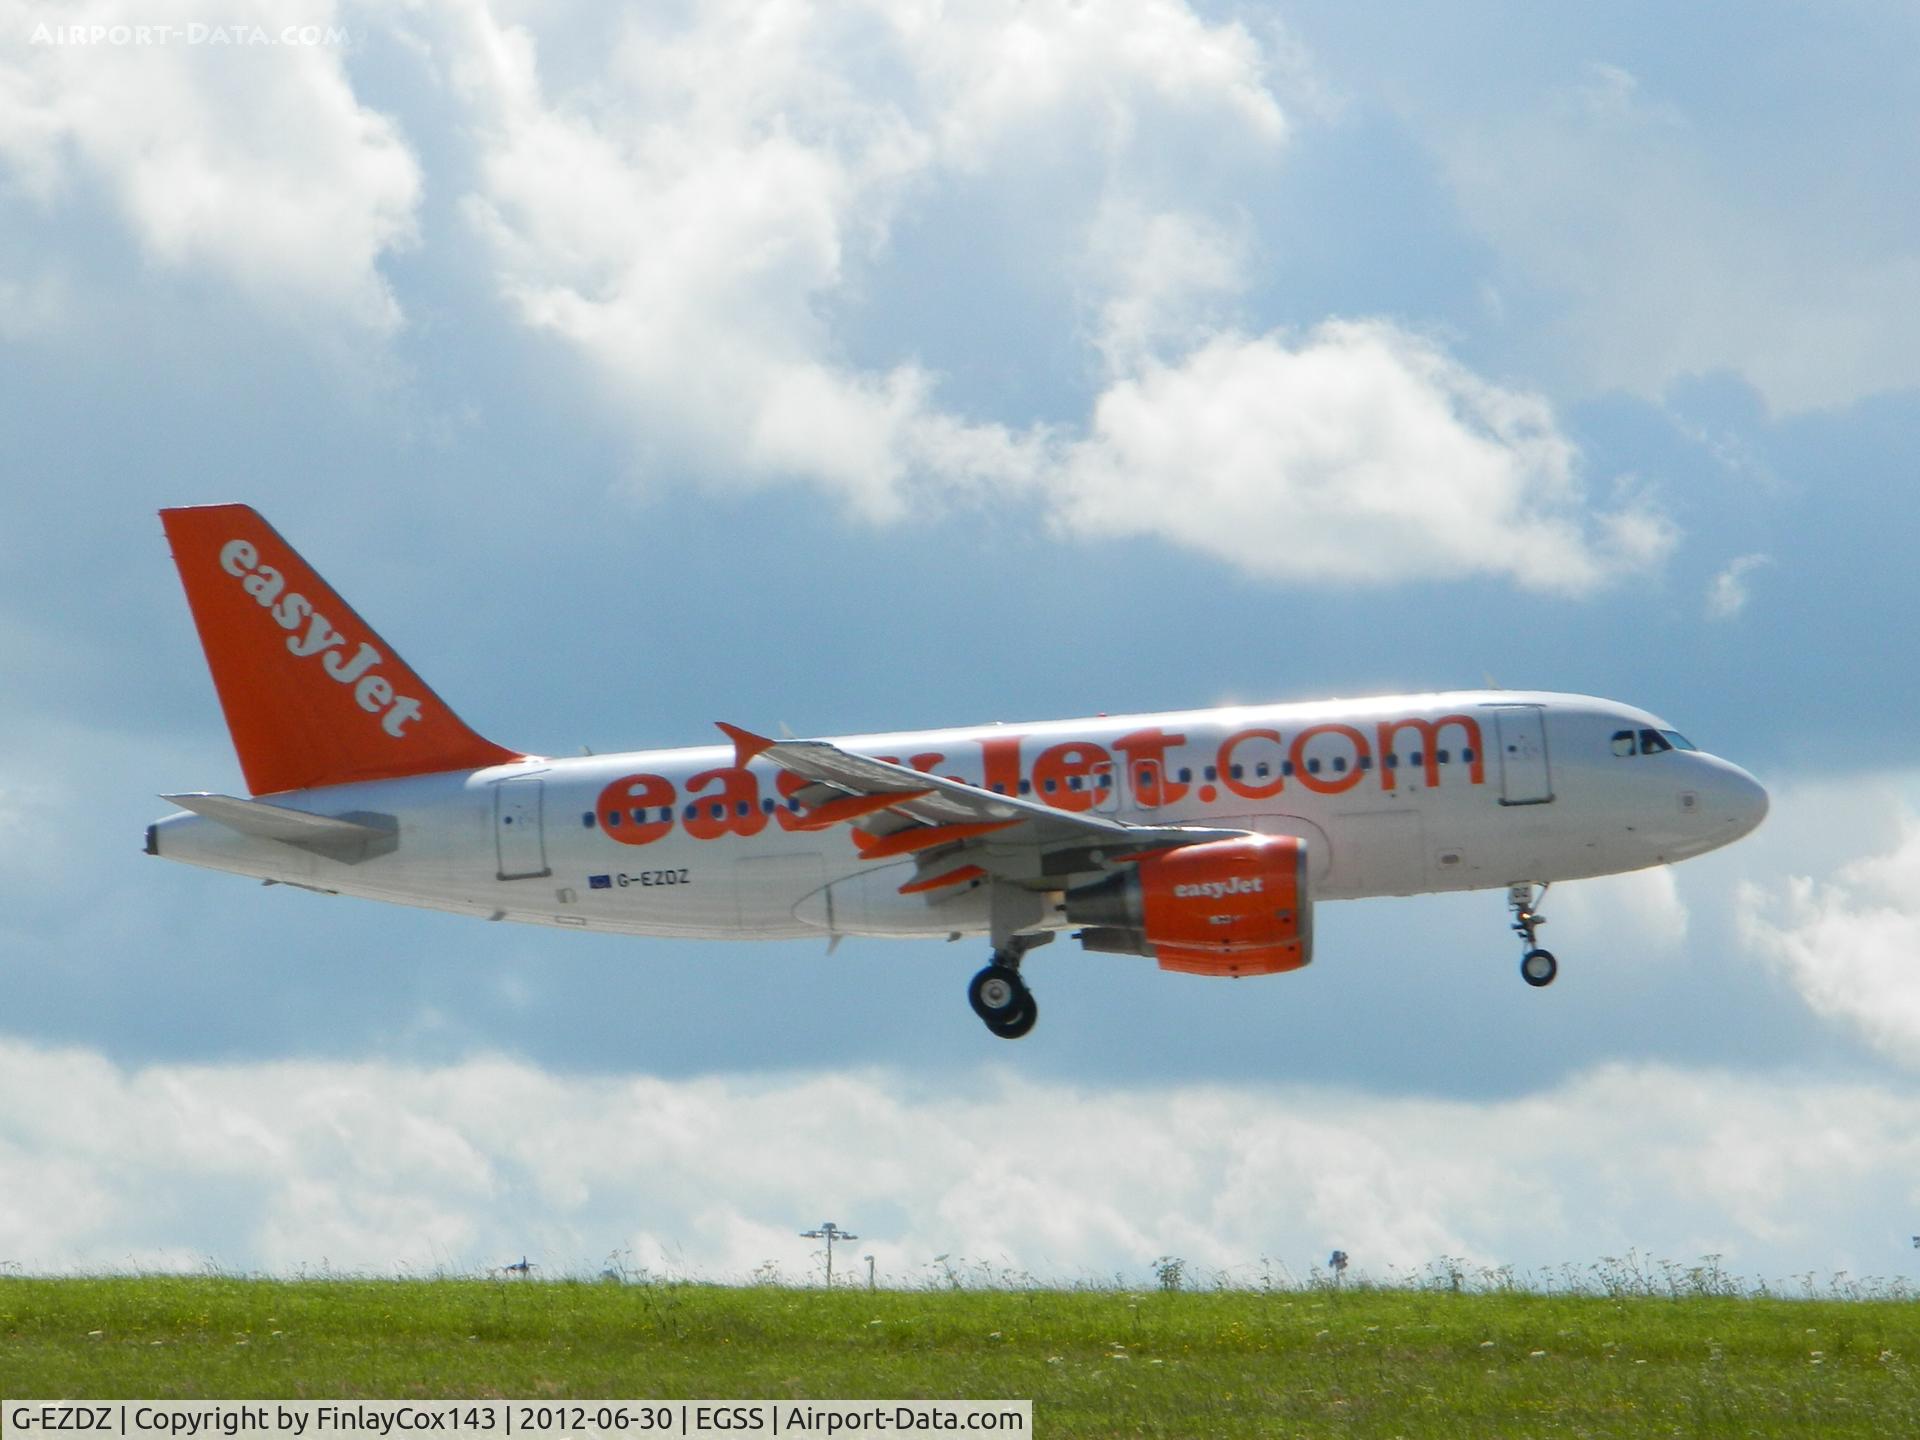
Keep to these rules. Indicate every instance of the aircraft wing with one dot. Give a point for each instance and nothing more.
(940, 821)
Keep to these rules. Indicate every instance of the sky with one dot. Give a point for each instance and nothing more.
(859, 367)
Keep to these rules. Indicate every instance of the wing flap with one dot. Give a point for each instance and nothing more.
(934, 817)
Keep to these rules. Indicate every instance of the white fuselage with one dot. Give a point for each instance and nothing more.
(1395, 796)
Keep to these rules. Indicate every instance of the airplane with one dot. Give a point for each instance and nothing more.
(1201, 839)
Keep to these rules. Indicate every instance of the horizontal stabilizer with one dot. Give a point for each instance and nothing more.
(346, 838)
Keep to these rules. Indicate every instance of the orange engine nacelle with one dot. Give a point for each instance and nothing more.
(1228, 907)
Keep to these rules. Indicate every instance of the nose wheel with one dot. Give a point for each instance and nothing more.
(1537, 967)
(1001, 998)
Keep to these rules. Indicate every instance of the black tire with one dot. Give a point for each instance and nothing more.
(996, 994)
(1538, 968)
(1021, 1023)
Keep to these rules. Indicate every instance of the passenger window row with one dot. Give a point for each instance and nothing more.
(1340, 764)
(1146, 779)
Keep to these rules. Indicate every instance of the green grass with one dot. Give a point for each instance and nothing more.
(1390, 1362)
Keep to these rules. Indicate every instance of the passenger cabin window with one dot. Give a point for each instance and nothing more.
(587, 819)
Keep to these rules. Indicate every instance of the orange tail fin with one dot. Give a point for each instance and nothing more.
(312, 695)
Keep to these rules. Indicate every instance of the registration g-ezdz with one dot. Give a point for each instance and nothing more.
(60, 1417)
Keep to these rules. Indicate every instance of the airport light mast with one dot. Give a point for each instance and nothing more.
(828, 1232)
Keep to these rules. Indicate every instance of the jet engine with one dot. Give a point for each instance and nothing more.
(1228, 907)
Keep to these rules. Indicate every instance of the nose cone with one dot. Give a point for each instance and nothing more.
(1740, 800)
(1756, 802)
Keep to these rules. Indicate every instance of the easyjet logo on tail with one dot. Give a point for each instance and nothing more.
(312, 636)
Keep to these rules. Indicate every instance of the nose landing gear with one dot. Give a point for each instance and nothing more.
(1000, 997)
(1537, 967)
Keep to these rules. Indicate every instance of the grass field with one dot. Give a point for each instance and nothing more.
(1389, 1362)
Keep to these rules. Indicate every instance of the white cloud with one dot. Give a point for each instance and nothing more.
(1159, 279)
(376, 1166)
(1361, 453)
(687, 223)
(1676, 245)
(1728, 594)
(691, 201)
(1850, 944)
(684, 240)
(253, 160)
(1640, 913)
(1006, 74)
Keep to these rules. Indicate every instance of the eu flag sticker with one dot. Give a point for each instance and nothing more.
(599, 882)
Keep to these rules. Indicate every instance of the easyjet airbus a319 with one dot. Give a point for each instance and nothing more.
(1200, 839)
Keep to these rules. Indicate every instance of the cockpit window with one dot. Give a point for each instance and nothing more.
(1649, 742)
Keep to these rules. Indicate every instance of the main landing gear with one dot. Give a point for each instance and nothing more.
(1000, 997)
(1537, 967)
